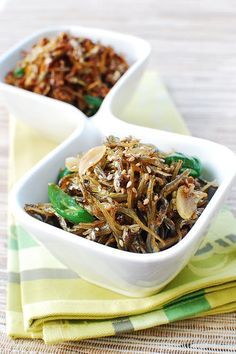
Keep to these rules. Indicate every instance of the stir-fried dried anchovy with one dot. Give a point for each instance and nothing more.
(71, 69)
(138, 202)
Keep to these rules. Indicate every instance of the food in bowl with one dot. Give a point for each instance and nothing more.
(127, 195)
(71, 69)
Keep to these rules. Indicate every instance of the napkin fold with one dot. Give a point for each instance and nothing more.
(47, 300)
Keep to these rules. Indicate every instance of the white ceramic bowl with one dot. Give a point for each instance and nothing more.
(57, 119)
(127, 273)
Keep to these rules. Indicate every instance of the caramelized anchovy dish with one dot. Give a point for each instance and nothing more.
(71, 69)
(127, 195)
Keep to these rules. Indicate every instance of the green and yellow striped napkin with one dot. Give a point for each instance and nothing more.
(47, 300)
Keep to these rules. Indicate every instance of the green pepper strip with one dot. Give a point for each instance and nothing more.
(18, 73)
(66, 206)
(94, 102)
(63, 172)
(189, 162)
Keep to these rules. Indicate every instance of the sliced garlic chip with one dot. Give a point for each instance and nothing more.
(72, 164)
(91, 158)
(187, 200)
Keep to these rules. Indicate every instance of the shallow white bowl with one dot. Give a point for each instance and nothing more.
(57, 119)
(127, 273)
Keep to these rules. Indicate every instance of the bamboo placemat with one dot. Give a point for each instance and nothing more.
(194, 49)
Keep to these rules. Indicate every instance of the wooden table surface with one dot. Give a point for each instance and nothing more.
(194, 48)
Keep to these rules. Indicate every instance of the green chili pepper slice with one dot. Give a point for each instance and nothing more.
(63, 172)
(189, 162)
(66, 206)
(18, 73)
(93, 102)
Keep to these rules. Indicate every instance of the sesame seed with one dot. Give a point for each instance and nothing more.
(134, 190)
(129, 184)
(137, 164)
(109, 177)
(149, 169)
(146, 201)
(121, 243)
(93, 235)
(156, 198)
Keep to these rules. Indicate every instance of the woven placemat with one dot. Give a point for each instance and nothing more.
(207, 335)
(175, 32)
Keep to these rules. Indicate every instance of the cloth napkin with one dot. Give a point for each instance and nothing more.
(47, 300)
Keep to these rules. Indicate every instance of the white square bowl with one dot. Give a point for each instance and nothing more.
(56, 119)
(123, 272)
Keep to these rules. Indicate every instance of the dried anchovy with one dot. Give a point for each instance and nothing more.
(136, 197)
(69, 69)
